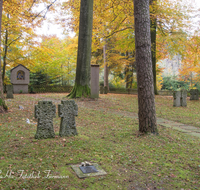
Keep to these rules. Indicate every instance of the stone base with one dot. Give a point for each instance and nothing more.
(80, 174)
(20, 88)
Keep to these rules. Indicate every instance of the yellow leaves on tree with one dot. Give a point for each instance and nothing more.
(56, 57)
(18, 38)
(190, 67)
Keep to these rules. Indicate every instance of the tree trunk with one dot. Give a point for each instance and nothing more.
(153, 27)
(3, 106)
(5, 49)
(106, 70)
(146, 99)
(82, 81)
(129, 72)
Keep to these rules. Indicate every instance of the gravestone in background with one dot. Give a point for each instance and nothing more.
(20, 79)
(183, 98)
(45, 111)
(101, 89)
(177, 98)
(194, 94)
(67, 110)
(180, 98)
(9, 89)
(94, 81)
(105, 90)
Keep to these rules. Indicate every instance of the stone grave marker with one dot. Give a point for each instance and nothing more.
(101, 89)
(194, 94)
(45, 111)
(177, 98)
(183, 98)
(180, 98)
(9, 89)
(67, 110)
(105, 90)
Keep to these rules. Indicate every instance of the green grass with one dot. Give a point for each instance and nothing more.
(167, 161)
(164, 107)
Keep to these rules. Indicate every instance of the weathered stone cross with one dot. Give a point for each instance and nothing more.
(67, 110)
(45, 111)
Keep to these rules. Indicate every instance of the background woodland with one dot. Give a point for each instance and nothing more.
(52, 59)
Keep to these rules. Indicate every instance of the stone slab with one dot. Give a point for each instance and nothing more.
(88, 169)
(80, 174)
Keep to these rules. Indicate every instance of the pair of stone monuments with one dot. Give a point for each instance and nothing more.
(45, 111)
(180, 98)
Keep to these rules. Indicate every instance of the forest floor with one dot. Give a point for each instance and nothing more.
(108, 136)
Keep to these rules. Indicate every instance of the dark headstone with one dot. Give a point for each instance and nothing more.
(67, 110)
(194, 94)
(45, 111)
(9, 89)
(105, 89)
(101, 89)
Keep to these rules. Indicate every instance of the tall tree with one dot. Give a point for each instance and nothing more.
(82, 81)
(153, 27)
(146, 98)
(3, 106)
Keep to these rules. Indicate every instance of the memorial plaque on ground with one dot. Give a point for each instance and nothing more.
(88, 171)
